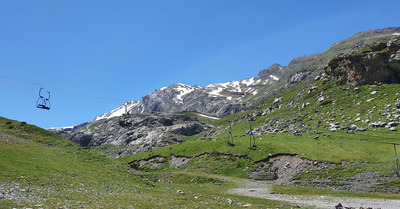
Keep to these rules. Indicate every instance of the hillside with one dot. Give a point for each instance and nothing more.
(324, 133)
(39, 169)
(337, 144)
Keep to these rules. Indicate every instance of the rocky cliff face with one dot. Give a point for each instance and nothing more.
(139, 132)
(379, 63)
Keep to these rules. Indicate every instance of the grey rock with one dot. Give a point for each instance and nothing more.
(298, 77)
(142, 131)
(377, 124)
(320, 99)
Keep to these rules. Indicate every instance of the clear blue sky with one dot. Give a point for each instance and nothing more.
(86, 52)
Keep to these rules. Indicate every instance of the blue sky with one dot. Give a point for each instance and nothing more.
(94, 55)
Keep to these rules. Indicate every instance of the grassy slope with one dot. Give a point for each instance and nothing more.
(43, 170)
(346, 106)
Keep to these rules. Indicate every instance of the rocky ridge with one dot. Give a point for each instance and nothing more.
(216, 100)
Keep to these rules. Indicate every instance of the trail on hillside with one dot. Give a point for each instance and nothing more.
(263, 190)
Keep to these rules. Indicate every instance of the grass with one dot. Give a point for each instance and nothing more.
(47, 171)
(333, 148)
(366, 149)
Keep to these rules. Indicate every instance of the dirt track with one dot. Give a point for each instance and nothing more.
(262, 190)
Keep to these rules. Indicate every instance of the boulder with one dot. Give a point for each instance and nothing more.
(377, 124)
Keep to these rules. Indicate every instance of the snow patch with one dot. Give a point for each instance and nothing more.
(274, 77)
(248, 81)
(183, 90)
(206, 116)
(216, 92)
(119, 111)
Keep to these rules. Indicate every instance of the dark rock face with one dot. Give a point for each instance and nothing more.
(379, 63)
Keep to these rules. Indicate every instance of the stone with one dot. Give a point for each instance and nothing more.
(180, 192)
(392, 129)
(339, 206)
(321, 99)
(277, 100)
(360, 129)
(312, 89)
(377, 124)
(374, 92)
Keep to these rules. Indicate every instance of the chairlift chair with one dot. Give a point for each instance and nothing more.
(42, 102)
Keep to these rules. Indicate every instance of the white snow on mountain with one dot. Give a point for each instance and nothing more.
(120, 110)
(183, 89)
(274, 77)
(232, 91)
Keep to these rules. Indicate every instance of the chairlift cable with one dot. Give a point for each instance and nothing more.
(70, 93)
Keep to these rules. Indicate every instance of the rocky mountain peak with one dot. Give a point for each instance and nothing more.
(274, 71)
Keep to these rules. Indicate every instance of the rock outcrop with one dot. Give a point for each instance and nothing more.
(379, 63)
(140, 132)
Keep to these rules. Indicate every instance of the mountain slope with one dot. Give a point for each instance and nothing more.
(215, 99)
(39, 169)
(321, 133)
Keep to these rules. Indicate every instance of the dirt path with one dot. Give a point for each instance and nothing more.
(262, 190)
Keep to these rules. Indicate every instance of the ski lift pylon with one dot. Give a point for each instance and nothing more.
(42, 102)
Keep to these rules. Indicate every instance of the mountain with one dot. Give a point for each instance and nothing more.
(217, 100)
(378, 47)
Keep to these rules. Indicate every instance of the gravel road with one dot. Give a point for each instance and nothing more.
(262, 190)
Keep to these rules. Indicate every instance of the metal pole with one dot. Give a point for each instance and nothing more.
(397, 160)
